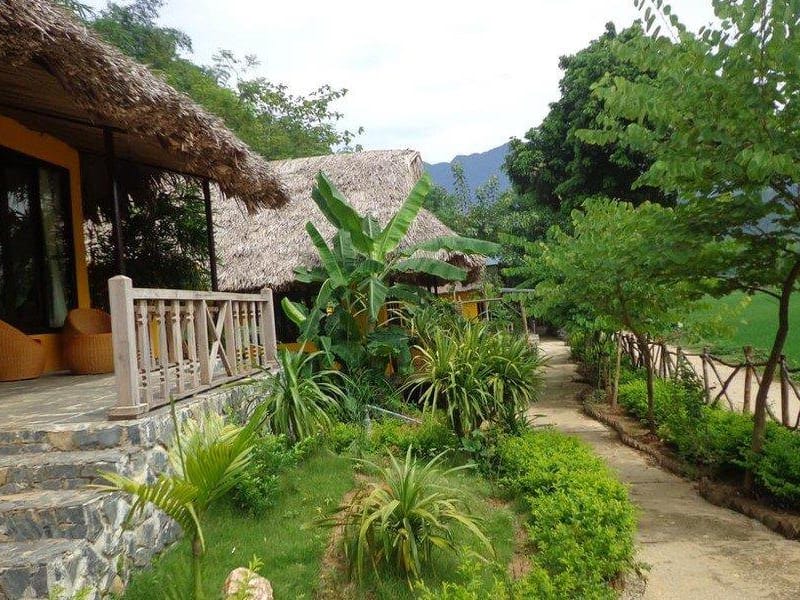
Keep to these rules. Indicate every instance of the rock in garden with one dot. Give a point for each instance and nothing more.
(258, 588)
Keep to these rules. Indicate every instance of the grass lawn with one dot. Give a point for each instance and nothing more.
(754, 325)
(290, 549)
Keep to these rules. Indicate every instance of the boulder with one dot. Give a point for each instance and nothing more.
(258, 588)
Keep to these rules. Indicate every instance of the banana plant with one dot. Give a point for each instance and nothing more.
(360, 267)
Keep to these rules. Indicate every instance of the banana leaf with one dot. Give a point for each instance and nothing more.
(456, 243)
(329, 262)
(338, 211)
(398, 226)
(431, 266)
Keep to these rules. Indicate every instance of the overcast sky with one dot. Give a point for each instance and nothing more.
(441, 77)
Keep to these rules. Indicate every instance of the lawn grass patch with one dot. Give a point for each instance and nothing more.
(284, 537)
(752, 324)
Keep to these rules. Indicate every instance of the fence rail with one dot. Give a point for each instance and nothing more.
(171, 344)
(730, 384)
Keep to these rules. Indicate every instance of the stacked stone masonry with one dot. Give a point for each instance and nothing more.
(58, 534)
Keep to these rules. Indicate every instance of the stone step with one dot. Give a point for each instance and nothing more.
(44, 514)
(62, 470)
(39, 569)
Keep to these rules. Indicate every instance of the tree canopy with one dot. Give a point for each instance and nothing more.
(560, 170)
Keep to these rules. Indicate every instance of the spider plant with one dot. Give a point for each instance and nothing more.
(399, 519)
(208, 457)
(299, 401)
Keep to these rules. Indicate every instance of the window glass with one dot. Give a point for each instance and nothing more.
(37, 283)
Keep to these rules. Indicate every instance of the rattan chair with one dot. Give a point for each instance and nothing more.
(87, 342)
(21, 357)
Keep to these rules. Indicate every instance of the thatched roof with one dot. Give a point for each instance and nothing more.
(58, 77)
(263, 250)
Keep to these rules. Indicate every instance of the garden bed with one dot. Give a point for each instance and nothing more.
(721, 493)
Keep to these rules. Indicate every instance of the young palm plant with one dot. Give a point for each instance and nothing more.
(208, 457)
(398, 520)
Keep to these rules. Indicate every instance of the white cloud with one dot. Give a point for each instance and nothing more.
(442, 77)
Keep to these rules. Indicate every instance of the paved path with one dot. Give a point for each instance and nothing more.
(694, 549)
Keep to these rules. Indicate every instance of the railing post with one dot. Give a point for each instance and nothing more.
(706, 382)
(201, 331)
(268, 337)
(123, 336)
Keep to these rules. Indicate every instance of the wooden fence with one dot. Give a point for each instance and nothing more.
(730, 384)
(171, 344)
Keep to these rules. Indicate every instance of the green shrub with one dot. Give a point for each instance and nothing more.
(581, 520)
(397, 521)
(257, 489)
(428, 439)
(778, 469)
(342, 436)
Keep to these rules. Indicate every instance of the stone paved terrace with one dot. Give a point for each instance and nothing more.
(56, 399)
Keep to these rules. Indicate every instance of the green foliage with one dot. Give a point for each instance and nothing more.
(208, 458)
(299, 400)
(581, 520)
(558, 169)
(428, 439)
(720, 118)
(358, 273)
(778, 470)
(397, 522)
(476, 374)
(257, 490)
(291, 550)
(719, 439)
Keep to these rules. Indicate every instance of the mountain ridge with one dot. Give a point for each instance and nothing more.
(478, 168)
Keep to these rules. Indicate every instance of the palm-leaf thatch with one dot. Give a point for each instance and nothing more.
(58, 77)
(263, 250)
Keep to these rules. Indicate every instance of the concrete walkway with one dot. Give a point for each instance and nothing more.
(694, 549)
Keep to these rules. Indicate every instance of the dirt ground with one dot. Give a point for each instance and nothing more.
(694, 549)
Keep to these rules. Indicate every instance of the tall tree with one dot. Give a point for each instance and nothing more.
(614, 271)
(721, 117)
(560, 170)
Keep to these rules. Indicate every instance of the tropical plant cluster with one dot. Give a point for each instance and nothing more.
(716, 439)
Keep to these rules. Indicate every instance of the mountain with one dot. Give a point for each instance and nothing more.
(477, 169)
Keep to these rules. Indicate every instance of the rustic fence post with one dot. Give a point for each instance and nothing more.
(678, 359)
(706, 383)
(123, 341)
(784, 392)
(748, 379)
(524, 315)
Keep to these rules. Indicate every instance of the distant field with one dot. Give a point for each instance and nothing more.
(753, 325)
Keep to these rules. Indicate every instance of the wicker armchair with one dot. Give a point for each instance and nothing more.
(87, 342)
(21, 357)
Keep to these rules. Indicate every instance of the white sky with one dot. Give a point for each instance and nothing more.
(441, 77)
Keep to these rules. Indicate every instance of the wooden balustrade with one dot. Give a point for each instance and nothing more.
(171, 344)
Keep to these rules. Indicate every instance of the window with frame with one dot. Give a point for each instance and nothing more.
(37, 274)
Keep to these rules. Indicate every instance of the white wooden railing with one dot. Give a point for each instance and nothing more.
(170, 344)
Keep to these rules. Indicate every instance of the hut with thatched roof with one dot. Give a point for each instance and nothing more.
(68, 100)
(263, 250)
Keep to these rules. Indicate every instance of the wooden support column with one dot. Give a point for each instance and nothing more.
(212, 252)
(113, 190)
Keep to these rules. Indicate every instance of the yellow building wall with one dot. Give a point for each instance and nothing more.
(45, 147)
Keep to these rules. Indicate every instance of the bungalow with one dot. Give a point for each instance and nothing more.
(75, 113)
(261, 251)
